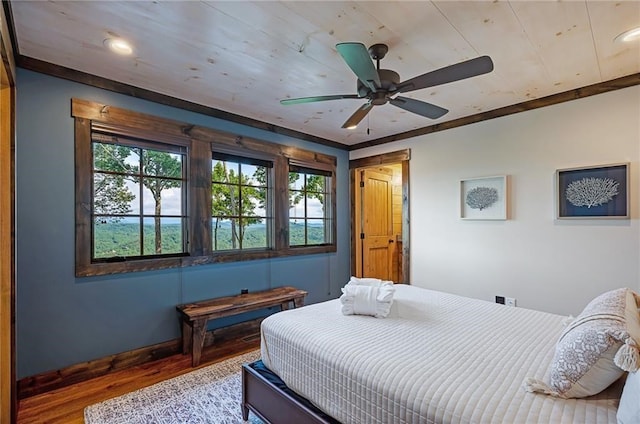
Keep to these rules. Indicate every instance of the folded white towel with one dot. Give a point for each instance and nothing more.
(367, 281)
(359, 299)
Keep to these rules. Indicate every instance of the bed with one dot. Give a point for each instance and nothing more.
(436, 358)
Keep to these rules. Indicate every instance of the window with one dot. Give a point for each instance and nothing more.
(309, 218)
(241, 203)
(152, 193)
(138, 199)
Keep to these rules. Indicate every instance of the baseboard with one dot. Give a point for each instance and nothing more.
(73, 374)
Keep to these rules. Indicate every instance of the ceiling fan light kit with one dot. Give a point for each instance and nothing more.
(381, 86)
(627, 36)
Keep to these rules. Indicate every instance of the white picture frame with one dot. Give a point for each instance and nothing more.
(484, 198)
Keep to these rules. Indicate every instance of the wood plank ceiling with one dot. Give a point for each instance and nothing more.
(243, 57)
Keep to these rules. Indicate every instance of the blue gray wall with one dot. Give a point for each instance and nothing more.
(63, 320)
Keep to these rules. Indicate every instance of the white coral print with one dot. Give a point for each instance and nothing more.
(591, 191)
(481, 197)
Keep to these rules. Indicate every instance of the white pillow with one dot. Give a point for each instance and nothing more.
(629, 409)
(367, 281)
(367, 299)
(596, 348)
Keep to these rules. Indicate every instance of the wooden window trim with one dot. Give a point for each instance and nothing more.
(200, 143)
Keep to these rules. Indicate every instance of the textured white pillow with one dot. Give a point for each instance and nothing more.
(596, 348)
(367, 299)
(629, 409)
(358, 281)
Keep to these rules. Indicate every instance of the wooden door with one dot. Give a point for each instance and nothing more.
(377, 228)
(8, 402)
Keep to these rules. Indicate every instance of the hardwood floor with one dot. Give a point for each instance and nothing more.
(66, 405)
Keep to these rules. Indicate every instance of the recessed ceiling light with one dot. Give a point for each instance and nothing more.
(119, 46)
(632, 34)
(351, 127)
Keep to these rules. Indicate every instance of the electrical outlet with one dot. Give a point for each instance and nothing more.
(510, 301)
(500, 300)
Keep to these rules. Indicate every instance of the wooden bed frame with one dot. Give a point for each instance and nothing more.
(273, 405)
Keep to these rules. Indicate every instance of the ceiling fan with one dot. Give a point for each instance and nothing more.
(379, 86)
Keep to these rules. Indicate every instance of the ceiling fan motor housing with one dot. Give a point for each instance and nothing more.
(388, 81)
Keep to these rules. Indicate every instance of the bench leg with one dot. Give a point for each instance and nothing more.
(298, 302)
(197, 340)
(187, 334)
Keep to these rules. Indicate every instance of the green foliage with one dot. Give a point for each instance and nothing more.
(111, 197)
(315, 235)
(123, 239)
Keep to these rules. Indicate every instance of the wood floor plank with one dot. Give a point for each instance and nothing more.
(66, 405)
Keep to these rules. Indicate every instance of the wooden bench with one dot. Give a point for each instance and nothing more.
(194, 316)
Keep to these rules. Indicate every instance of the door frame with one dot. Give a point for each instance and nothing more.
(399, 156)
(8, 393)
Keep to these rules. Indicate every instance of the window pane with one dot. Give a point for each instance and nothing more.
(297, 236)
(315, 208)
(316, 183)
(233, 195)
(161, 196)
(162, 236)
(296, 181)
(113, 195)
(296, 204)
(251, 198)
(255, 235)
(161, 164)
(114, 158)
(316, 231)
(224, 171)
(116, 237)
(222, 233)
(253, 175)
(259, 201)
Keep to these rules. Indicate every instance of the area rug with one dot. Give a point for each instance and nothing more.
(208, 395)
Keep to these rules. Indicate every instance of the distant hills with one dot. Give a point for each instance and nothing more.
(123, 238)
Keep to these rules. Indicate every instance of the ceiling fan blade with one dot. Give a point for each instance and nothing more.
(470, 68)
(357, 116)
(318, 99)
(357, 57)
(419, 107)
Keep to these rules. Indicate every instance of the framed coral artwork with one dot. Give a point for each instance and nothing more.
(484, 198)
(593, 192)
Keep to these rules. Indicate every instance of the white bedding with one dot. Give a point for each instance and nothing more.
(437, 358)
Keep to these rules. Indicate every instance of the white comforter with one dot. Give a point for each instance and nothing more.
(437, 358)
